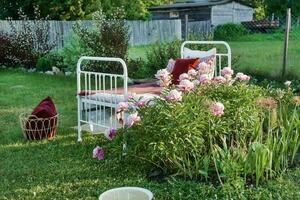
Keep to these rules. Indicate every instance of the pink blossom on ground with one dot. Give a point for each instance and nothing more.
(184, 76)
(171, 65)
(219, 80)
(174, 95)
(122, 106)
(242, 77)
(111, 133)
(192, 73)
(217, 109)
(227, 71)
(132, 119)
(204, 79)
(186, 85)
(98, 153)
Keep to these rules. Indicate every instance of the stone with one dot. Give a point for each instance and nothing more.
(49, 72)
(68, 73)
(31, 70)
(55, 70)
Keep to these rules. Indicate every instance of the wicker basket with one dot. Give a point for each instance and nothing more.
(38, 128)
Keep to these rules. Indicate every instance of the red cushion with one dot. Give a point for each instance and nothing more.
(183, 66)
(45, 109)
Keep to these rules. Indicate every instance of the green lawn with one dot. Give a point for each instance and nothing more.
(265, 57)
(257, 54)
(64, 169)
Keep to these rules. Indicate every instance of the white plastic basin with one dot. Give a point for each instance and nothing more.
(127, 193)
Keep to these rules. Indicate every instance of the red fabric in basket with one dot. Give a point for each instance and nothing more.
(37, 130)
(45, 109)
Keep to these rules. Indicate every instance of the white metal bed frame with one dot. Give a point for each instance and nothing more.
(98, 81)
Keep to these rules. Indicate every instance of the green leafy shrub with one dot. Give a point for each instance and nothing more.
(229, 32)
(43, 64)
(72, 51)
(159, 54)
(137, 69)
(108, 38)
(255, 139)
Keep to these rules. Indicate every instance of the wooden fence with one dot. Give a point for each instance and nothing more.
(141, 32)
(200, 28)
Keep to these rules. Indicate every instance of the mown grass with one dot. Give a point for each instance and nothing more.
(63, 169)
(258, 54)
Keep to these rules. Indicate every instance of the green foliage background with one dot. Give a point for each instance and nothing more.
(135, 9)
(77, 9)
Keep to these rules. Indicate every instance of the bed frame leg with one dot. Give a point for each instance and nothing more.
(79, 134)
(79, 139)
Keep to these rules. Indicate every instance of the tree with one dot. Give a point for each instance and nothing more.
(134, 9)
(278, 7)
(77, 9)
(55, 9)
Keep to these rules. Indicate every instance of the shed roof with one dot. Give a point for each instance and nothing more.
(184, 4)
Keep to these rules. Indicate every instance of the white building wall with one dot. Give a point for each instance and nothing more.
(231, 13)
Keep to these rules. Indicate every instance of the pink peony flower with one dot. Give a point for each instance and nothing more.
(227, 72)
(219, 80)
(186, 85)
(174, 95)
(204, 79)
(141, 103)
(196, 82)
(205, 68)
(184, 76)
(131, 96)
(267, 103)
(165, 82)
(217, 109)
(192, 73)
(132, 119)
(122, 106)
(242, 77)
(162, 74)
(111, 133)
(164, 77)
(171, 65)
(98, 153)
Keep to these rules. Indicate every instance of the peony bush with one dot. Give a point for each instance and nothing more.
(217, 128)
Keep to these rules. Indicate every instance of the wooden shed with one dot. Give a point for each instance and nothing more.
(209, 12)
